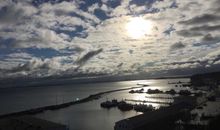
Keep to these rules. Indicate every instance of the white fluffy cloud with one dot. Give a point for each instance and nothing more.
(185, 35)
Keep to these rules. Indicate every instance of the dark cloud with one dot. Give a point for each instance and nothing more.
(149, 53)
(174, 4)
(206, 28)
(120, 65)
(203, 62)
(188, 33)
(88, 56)
(207, 37)
(184, 62)
(131, 51)
(178, 45)
(39, 2)
(169, 30)
(143, 2)
(29, 66)
(198, 31)
(197, 67)
(202, 19)
(190, 71)
(210, 38)
(60, 12)
(10, 14)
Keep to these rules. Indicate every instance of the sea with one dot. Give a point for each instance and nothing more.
(88, 115)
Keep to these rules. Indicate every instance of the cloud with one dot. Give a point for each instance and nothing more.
(36, 67)
(202, 19)
(81, 61)
(206, 28)
(120, 65)
(29, 66)
(189, 33)
(43, 38)
(9, 14)
(198, 30)
(210, 38)
(169, 30)
(176, 46)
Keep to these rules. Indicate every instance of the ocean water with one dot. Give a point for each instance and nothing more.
(85, 116)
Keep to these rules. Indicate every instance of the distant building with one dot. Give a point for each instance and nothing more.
(29, 123)
(159, 120)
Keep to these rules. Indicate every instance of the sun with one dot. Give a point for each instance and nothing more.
(139, 27)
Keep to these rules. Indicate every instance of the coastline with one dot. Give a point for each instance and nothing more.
(45, 82)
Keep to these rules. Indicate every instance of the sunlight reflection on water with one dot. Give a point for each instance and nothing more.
(85, 116)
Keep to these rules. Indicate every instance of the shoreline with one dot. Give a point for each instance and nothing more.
(64, 105)
(51, 83)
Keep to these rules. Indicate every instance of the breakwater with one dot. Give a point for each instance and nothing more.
(148, 101)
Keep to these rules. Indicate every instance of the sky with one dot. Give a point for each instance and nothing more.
(41, 38)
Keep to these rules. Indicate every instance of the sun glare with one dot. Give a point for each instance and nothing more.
(139, 27)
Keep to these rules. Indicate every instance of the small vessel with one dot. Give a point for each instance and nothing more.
(155, 91)
(123, 106)
(137, 91)
(106, 104)
(109, 104)
(131, 91)
(143, 108)
(171, 91)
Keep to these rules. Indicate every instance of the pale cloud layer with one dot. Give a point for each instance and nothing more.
(41, 39)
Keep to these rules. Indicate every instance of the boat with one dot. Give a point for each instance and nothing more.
(137, 91)
(143, 108)
(131, 91)
(155, 91)
(171, 91)
(109, 104)
(123, 106)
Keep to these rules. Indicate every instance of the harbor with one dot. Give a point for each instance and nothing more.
(62, 105)
(124, 105)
